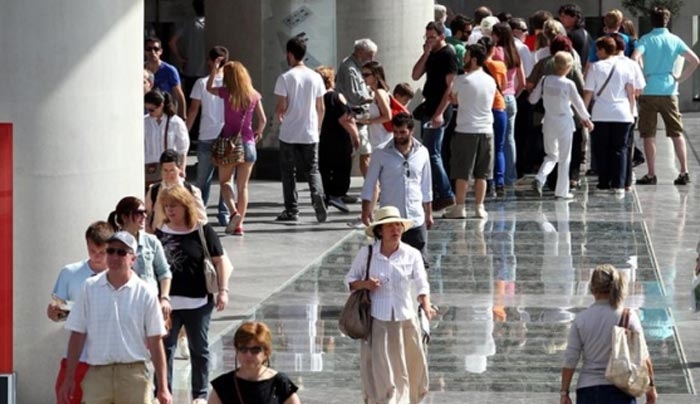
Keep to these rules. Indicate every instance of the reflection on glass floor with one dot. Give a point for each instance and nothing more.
(507, 288)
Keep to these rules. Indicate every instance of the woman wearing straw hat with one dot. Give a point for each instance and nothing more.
(393, 366)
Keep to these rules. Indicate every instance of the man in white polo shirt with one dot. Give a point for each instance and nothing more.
(118, 322)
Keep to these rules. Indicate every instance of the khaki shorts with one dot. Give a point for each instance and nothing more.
(118, 383)
(365, 145)
(667, 106)
(472, 156)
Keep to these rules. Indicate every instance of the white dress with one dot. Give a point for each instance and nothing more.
(378, 135)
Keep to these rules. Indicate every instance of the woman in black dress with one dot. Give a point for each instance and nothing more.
(253, 381)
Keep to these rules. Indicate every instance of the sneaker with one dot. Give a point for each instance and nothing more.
(222, 217)
(480, 212)
(349, 199)
(287, 216)
(183, 348)
(319, 208)
(338, 203)
(567, 196)
(619, 192)
(457, 211)
(537, 186)
(683, 179)
(238, 231)
(233, 222)
(647, 180)
(442, 203)
(500, 190)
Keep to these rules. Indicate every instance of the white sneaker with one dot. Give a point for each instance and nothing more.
(481, 212)
(457, 211)
(183, 348)
(619, 192)
(567, 196)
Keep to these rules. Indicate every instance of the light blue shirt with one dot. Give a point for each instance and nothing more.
(660, 49)
(151, 264)
(69, 283)
(405, 182)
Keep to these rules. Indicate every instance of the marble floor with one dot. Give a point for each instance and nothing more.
(507, 290)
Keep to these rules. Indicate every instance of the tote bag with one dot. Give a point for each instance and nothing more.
(627, 367)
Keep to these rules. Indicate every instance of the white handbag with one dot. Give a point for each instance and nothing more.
(627, 366)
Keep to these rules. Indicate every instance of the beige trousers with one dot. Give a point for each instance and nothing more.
(120, 383)
(393, 366)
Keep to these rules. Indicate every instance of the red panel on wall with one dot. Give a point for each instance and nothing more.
(5, 248)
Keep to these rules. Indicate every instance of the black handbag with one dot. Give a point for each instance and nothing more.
(356, 319)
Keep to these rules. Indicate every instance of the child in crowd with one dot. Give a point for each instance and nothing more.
(559, 95)
(403, 93)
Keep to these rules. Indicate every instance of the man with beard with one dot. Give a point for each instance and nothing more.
(402, 168)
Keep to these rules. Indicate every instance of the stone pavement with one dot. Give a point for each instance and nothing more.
(507, 288)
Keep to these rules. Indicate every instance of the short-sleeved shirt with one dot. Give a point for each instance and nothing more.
(70, 280)
(177, 137)
(475, 92)
(116, 321)
(613, 104)
(301, 86)
(239, 120)
(151, 265)
(185, 254)
(581, 41)
(439, 64)
(331, 129)
(498, 71)
(212, 118)
(166, 77)
(460, 50)
(274, 390)
(660, 49)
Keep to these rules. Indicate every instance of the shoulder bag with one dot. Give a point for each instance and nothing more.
(152, 171)
(355, 319)
(597, 94)
(627, 366)
(229, 150)
(395, 108)
(210, 276)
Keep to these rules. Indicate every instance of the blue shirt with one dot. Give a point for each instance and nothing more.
(593, 57)
(69, 283)
(166, 77)
(151, 264)
(405, 182)
(660, 49)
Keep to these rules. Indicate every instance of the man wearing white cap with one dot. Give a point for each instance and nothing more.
(117, 319)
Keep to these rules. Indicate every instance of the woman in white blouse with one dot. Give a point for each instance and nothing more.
(162, 130)
(393, 366)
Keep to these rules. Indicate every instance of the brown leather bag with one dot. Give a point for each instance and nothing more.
(356, 319)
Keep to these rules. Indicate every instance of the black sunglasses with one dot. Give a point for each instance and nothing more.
(119, 251)
(139, 212)
(405, 166)
(365, 74)
(252, 349)
(152, 48)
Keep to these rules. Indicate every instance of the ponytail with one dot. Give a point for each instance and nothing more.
(113, 221)
(606, 279)
(617, 289)
(168, 107)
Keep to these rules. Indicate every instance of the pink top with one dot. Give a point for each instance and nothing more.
(509, 89)
(234, 118)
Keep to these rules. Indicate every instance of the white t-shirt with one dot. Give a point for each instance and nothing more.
(526, 58)
(475, 92)
(639, 80)
(302, 86)
(612, 105)
(178, 138)
(212, 118)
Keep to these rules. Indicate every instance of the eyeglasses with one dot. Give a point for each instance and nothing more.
(365, 74)
(430, 37)
(252, 349)
(153, 49)
(405, 166)
(141, 212)
(119, 251)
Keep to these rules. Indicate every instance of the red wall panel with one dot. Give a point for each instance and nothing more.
(6, 248)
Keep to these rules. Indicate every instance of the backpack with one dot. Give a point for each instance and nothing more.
(395, 107)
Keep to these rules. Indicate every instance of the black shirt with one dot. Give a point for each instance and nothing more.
(332, 132)
(437, 67)
(275, 390)
(580, 39)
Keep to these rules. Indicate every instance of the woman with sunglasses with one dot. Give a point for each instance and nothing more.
(253, 380)
(184, 241)
(379, 110)
(151, 265)
(162, 130)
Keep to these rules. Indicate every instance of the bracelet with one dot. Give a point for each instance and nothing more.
(165, 298)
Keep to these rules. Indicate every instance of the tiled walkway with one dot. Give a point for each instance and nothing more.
(507, 288)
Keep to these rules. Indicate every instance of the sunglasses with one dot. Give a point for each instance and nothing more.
(365, 74)
(405, 166)
(141, 212)
(119, 251)
(152, 48)
(252, 349)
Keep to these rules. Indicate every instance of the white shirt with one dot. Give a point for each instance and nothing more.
(392, 300)
(378, 135)
(116, 321)
(406, 182)
(178, 138)
(526, 58)
(613, 104)
(475, 35)
(212, 118)
(639, 82)
(475, 92)
(302, 86)
(559, 96)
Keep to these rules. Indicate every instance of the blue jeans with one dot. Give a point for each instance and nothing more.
(205, 173)
(603, 394)
(196, 323)
(432, 140)
(302, 157)
(511, 111)
(500, 119)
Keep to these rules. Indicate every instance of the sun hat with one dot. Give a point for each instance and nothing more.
(388, 214)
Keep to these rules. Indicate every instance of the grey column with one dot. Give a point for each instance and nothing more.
(71, 85)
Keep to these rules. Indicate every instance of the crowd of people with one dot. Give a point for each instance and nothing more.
(503, 98)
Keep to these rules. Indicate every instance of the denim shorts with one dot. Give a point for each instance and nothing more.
(250, 153)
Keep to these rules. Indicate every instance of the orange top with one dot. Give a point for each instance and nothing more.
(499, 71)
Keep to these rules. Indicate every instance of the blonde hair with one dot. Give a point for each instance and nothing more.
(239, 85)
(179, 195)
(562, 62)
(327, 74)
(613, 19)
(553, 28)
(606, 279)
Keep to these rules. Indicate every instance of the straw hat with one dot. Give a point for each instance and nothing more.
(388, 214)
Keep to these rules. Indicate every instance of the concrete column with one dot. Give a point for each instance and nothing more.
(71, 85)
